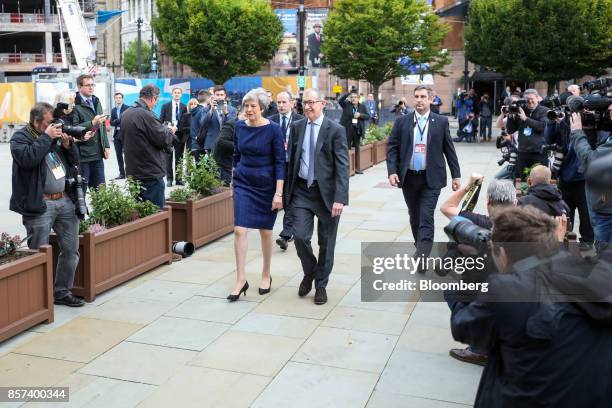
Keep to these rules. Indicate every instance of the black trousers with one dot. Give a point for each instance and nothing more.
(171, 165)
(528, 159)
(119, 152)
(353, 138)
(306, 204)
(574, 196)
(287, 231)
(421, 201)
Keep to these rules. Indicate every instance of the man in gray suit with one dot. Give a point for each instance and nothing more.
(317, 185)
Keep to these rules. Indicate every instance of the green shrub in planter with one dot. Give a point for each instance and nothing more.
(201, 179)
(113, 205)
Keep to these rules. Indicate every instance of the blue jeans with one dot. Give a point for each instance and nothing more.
(506, 173)
(154, 191)
(93, 174)
(60, 215)
(602, 227)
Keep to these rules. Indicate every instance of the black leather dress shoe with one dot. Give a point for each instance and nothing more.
(70, 300)
(120, 177)
(169, 184)
(358, 172)
(305, 286)
(320, 296)
(282, 243)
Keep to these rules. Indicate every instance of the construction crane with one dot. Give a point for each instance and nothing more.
(77, 32)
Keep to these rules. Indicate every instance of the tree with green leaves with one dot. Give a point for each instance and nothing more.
(364, 39)
(541, 40)
(130, 57)
(219, 39)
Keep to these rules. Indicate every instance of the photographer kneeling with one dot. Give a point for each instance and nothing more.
(44, 158)
(500, 194)
(540, 351)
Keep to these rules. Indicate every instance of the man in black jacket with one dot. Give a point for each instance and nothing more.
(43, 157)
(354, 117)
(530, 125)
(285, 117)
(171, 113)
(115, 121)
(542, 195)
(540, 351)
(418, 145)
(147, 145)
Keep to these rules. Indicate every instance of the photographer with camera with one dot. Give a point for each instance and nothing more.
(538, 349)
(44, 161)
(528, 118)
(507, 143)
(212, 121)
(599, 202)
(89, 114)
(467, 129)
(354, 117)
(146, 142)
(501, 194)
(566, 168)
(401, 108)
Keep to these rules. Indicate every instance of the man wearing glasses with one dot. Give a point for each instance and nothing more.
(88, 113)
(317, 185)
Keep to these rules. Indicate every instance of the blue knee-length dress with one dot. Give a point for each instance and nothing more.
(259, 161)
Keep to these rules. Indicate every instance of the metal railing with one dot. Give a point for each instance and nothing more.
(27, 18)
(20, 57)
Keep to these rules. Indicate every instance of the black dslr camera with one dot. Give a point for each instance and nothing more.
(508, 150)
(75, 186)
(78, 132)
(515, 105)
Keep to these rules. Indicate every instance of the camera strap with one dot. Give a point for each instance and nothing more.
(35, 134)
(471, 198)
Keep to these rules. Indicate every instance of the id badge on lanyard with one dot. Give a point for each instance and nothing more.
(56, 166)
(420, 147)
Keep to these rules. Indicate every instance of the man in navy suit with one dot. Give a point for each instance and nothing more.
(418, 143)
(171, 113)
(285, 117)
(219, 112)
(115, 121)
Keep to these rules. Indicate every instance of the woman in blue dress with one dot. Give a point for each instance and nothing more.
(258, 176)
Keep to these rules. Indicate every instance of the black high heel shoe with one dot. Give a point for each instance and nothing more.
(264, 291)
(233, 298)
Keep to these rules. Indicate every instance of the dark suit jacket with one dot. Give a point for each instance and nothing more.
(439, 144)
(166, 111)
(211, 127)
(294, 118)
(116, 122)
(331, 162)
(347, 115)
(314, 46)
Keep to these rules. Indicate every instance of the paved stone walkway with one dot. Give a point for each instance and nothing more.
(169, 337)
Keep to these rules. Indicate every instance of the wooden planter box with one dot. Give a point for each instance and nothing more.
(112, 257)
(379, 151)
(204, 220)
(26, 292)
(351, 162)
(365, 157)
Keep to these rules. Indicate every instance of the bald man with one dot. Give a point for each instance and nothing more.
(574, 90)
(544, 196)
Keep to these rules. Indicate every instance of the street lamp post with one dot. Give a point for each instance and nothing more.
(139, 46)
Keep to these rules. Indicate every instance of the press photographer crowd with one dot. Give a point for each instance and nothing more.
(543, 330)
